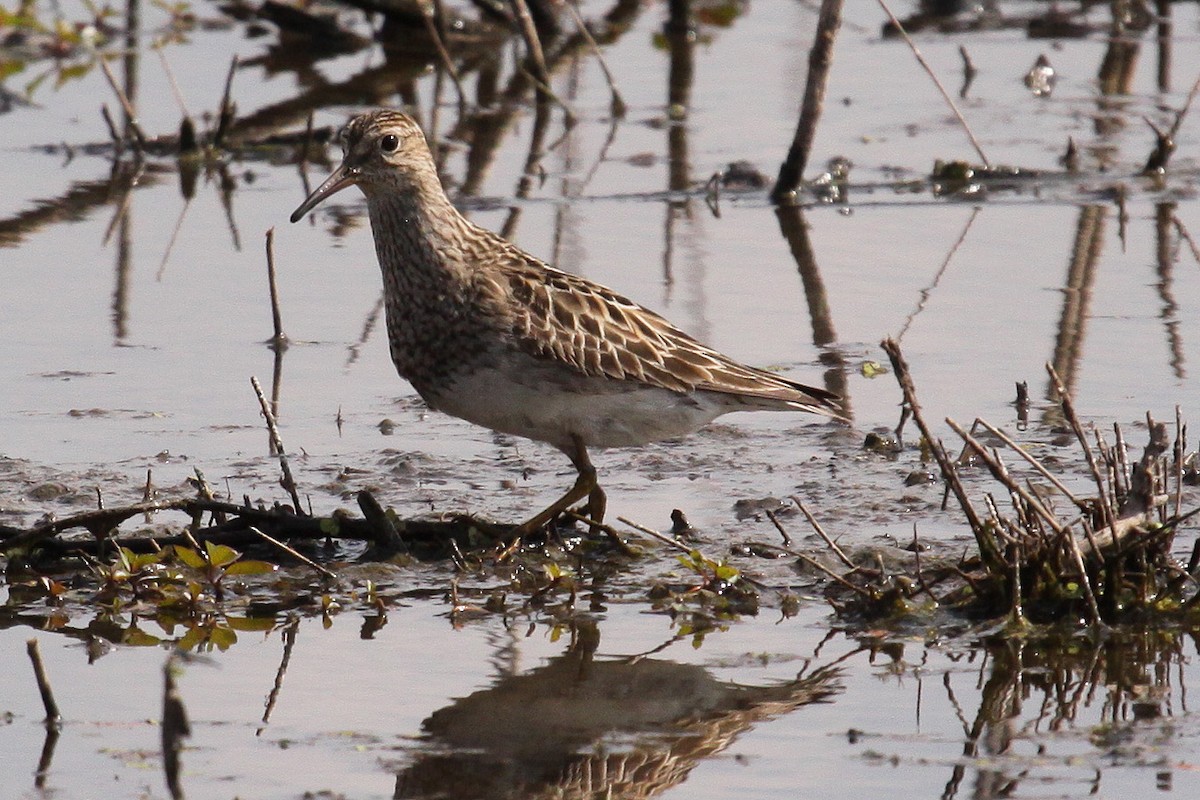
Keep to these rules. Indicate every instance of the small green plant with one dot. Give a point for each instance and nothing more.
(216, 562)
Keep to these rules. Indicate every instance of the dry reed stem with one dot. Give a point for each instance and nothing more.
(176, 92)
(945, 95)
(1103, 496)
(53, 717)
(430, 17)
(662, 537)
(226, 112)
(1035, 463)
(820, 59)
(996, 467)
(617, 106)
(532, 41)
(279, 340)
(288, 482)
(817, 565)
(987, 548)
(291, 551)
(289, 641)
(821, 532)
(139, 139)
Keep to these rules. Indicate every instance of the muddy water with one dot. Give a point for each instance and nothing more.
(133, 321)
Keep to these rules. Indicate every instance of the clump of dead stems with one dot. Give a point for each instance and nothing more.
(1107, 558)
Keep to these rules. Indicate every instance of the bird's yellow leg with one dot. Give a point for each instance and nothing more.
(586, 485)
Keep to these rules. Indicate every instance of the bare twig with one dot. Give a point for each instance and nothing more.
(929, 70)
(987, 547)
(288, 482)
(1033, 462)
(53, 717)
(431, 20)
(291, 551)
(820, 59)
(532, 42)
(821, 532)
(280, 340)
(662, 537)
(617, 106)
(1103, 495)
(228, 110)
(139, 140)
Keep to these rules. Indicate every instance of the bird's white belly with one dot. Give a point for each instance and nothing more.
(601, 412)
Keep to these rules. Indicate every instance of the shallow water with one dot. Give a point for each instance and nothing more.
(132, 325)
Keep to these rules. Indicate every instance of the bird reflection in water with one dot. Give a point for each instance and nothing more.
(586, 727)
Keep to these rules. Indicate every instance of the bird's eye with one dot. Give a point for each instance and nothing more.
(389, 143)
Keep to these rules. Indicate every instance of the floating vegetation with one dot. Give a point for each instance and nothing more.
(1107, 559)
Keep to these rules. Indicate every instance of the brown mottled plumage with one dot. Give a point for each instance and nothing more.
(487, 332)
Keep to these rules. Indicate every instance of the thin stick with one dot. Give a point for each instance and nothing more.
(1001, 474)
(1085, 580)
(175, 90)
(821, 532)
(929, 70)
(289, 641)
(1033, 462)
(225, 116)
(532, 42)
(288, 482)
(430, 18)
(280, 340)
(787, 540)
(291, 551)
(119, 142)
(139, 140)
(987, 547)
(53, 718)
(1068, 407)
(652, 533)
(617, 106)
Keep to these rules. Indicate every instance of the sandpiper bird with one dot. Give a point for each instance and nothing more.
(486, 332)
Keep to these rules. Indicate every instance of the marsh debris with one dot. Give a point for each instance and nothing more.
(1104, 558)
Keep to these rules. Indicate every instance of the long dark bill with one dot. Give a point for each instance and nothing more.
(342, 177)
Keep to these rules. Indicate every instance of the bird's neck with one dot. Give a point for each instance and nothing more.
(419, 234)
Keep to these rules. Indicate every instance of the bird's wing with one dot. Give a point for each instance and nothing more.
(599, 332)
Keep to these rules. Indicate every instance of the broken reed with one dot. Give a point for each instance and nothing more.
(1107, 560)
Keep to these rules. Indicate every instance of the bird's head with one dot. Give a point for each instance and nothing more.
(378, 148)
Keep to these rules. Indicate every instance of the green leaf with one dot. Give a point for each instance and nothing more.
(223, 638)
(726, 572)
(872, 369)
(139, 638)
(251, 568)
(190, 557)
(221, 555)
(193, 639)
(251, 623)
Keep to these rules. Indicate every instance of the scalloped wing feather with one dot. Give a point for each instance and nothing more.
(599, 332)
